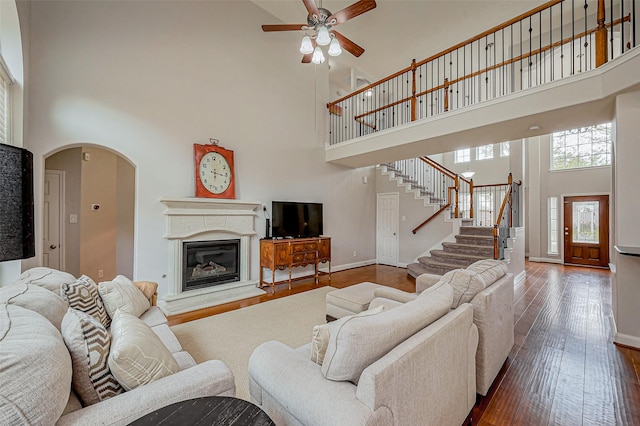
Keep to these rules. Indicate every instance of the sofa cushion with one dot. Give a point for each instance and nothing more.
(51, 279)
(468, 282)
(137, 354)
(35, 368)
(82, 294)
(122, 294)
(88, 342)
(37, 299)
(359, 341)
(489, 269)
(321, 334)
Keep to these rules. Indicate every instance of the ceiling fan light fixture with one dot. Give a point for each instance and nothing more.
(306, 47)
(334, 48)
(318, 57)
(323, 36)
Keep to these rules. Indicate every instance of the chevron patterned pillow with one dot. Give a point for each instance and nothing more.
(89, 342)
(82, 294)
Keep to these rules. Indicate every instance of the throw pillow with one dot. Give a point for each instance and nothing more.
(466, 284)
(321, 334)
(148, 288)
(122, 294)
(359, 341)
(35, 368)
(88, 342)
(51, 279)
(37, 299)
(82, 294)
(137, 355)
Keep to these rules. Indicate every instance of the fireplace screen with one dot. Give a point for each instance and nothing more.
(209, 263)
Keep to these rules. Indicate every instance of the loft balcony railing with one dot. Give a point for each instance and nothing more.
(556, 40)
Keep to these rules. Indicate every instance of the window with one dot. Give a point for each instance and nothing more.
(463, 155)
(583, 147)
(484, 152)
(5, 82)
(504, 149)
(552, 216)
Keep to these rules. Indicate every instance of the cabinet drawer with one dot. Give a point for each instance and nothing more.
(302, 247)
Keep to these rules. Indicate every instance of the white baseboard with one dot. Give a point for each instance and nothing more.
(545, 260)
(627, 340)
(325, 268)
(520, 277)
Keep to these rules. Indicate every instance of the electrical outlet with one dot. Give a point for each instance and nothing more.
(100, 273)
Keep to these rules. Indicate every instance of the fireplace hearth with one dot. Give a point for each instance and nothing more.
(210, 263)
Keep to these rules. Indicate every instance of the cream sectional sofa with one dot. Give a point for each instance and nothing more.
(37, 369)
(488, 287)
(410, 365)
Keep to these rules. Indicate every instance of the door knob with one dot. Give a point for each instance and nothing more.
(53, 246)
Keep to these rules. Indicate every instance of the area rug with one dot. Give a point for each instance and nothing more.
(232, 336)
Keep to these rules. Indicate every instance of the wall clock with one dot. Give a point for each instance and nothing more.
(214, 173)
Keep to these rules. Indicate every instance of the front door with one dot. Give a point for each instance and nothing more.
(586, 230)
(387, 229)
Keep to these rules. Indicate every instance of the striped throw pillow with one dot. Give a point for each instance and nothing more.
(82, 294)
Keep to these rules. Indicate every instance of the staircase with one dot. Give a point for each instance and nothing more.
(472, 244)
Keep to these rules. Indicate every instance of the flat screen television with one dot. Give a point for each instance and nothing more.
(295, 219)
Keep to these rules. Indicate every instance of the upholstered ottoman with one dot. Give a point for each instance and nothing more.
(350, 300)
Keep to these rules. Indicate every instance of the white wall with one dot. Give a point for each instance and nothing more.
(487, 171)
(11, 48)
(543, 183)
(149, 79)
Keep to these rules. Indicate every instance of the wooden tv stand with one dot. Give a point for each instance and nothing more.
(288, 253)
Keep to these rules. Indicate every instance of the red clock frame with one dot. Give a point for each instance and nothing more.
(201, 191)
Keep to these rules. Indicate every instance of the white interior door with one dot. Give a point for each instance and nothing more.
(387, 229)
(52, 254)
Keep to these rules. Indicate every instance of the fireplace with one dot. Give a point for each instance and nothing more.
(210, 263)
(195, 221)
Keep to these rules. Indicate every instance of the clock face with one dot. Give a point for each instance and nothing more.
(215, 172)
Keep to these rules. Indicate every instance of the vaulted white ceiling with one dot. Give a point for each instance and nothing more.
(396, 31)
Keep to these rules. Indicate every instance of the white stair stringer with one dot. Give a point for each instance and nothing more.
(408, 188)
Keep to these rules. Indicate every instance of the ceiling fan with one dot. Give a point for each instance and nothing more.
(319, 30)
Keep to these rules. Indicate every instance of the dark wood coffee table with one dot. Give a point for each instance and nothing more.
(212, 410)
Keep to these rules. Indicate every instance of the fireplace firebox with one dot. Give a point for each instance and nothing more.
(210, 263)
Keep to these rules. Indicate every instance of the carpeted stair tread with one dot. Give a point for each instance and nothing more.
(479, 240)
(471, 249)
(455, 256)
(476, 230)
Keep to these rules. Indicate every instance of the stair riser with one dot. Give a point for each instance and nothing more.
(461, 239)
(485, 251)
(463, 263)
(417, 269)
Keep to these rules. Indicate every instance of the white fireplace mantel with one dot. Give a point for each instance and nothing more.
(204, 219)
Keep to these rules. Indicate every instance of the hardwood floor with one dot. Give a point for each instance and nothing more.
(563, 369)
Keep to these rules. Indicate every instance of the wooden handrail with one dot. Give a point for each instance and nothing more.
(371, 86)
(491, 185)
(443, 208)
(438, 167)
(373, 126)
(492, 30)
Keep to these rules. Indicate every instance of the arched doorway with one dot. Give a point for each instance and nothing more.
(89, 212)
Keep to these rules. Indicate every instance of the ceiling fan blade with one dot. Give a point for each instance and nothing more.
(282, 27)
(306, 59)
(349, 12)
(348, 45)
(311, 7)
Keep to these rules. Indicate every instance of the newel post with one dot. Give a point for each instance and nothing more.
(510, 186)
(601, 36)
(446, 94)
(457, 189)
(414, 100)
(471, 213)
